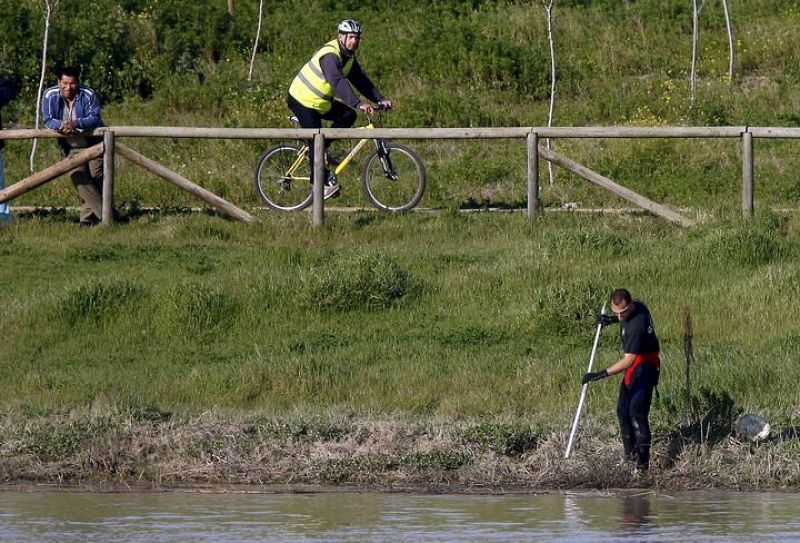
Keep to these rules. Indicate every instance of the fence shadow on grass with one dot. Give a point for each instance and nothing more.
(126, 213)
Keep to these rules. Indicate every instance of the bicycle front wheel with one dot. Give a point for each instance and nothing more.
(393, 178)
(283, 177)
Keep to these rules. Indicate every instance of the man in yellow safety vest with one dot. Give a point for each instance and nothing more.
(322, 88)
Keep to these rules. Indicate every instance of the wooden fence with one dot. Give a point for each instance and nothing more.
(532, 135)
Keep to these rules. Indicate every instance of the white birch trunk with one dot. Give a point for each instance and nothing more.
(48, 6)
(695, 38)
(693, 68)
(731, 43)
(548, 6)
(258, 36)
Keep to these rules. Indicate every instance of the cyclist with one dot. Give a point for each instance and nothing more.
(322, 89)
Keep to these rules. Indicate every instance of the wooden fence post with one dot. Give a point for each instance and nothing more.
(533, 175)
(108, 177)
(748, 192)
(317, 210)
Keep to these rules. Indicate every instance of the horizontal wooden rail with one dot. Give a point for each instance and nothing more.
(641, 131)
(773, 132)
(210, 132)
(28, 134)
(628, 132)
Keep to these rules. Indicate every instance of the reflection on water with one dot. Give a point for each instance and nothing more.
(697, 517)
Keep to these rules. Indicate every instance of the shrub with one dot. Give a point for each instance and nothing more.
(566, 310)
(505, 439)
(202, 308)
(98, 301)
(357, 281)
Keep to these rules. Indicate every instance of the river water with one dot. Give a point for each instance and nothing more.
(696, 517)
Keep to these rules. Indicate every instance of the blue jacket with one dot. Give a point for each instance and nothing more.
(87, 111)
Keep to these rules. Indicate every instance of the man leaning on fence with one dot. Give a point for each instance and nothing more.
(8, 91)
(73, 109)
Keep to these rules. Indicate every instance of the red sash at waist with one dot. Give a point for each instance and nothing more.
(650, 358)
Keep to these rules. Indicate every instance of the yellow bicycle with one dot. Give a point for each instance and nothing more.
(393, 176)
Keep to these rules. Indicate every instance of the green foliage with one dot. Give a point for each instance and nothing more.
(475, 336)
(567, 310)
(359, 280)
(446, 63)
(100, 300)
(52, 442)
(202, 309)
(511, 439)
(149, 413)
(290, 319)
(752, 244)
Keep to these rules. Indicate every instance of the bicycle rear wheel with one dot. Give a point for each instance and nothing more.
(283, 177)
(393, 178)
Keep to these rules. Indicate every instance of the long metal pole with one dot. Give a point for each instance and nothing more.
(585, 388)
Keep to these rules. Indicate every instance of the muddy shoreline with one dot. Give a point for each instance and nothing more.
(255, 454)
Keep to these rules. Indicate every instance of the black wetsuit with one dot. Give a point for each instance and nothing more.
(636, 391)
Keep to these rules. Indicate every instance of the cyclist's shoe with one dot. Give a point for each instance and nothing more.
(331, 186)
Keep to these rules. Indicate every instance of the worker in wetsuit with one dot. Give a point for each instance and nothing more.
(641, 365)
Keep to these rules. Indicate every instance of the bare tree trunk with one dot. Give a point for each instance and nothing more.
(695, 35)
(48, 6)
(731, 43)
(231, 9)
(548, 7)
(258, 36)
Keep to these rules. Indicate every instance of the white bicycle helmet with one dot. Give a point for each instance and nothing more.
(350, 26)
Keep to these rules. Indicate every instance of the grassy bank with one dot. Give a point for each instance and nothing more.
(446, 64)
(431, 314)
(467, 320)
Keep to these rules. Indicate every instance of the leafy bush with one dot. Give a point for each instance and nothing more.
(567, 310)
(505, 439)
(98, 301)
(357, 281)
(52, 442)
(202, 309)
(752, 244)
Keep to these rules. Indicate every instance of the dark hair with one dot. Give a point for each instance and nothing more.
(621, 295)
(69, 71)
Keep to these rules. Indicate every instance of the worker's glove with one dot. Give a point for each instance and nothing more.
(605, 320)
(594, 376)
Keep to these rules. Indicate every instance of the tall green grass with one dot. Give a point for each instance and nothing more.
(445, 315)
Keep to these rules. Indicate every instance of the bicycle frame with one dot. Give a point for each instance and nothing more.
(343, 164)
(349, 158)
